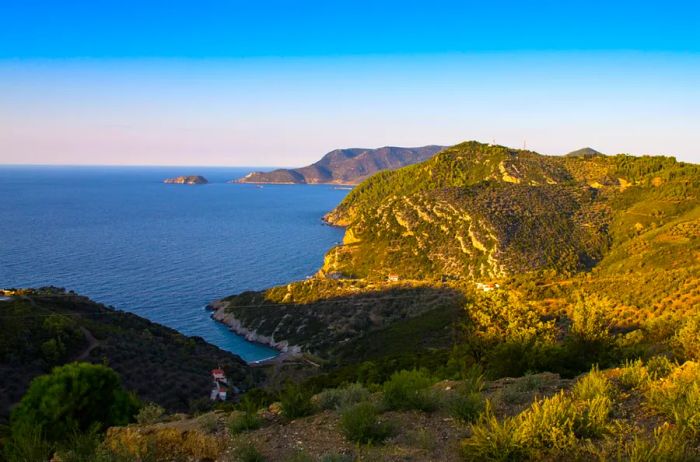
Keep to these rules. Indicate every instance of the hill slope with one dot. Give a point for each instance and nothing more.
(346, 166)
(480, 211)
(161, 365)
(545, 227)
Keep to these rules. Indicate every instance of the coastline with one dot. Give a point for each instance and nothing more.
(286, 351)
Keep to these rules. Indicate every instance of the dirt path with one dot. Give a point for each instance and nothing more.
(92, 344)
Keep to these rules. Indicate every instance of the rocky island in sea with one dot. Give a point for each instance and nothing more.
(190, 179)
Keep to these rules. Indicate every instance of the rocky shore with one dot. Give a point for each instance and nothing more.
(218, 309)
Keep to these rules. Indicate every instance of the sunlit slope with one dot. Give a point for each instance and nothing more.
(477, 211)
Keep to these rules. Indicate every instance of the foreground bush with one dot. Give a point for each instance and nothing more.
(246, 419)
(150, 414)
(340, 398)
(557, 425)
(407, 390)
(134, 444)
(296, 401)
(678, 397)
(493, 440)
(75, 397)
(666, 445)
(360, 424)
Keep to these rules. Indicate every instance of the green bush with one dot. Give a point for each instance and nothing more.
(493, 440)
(246, 419)
(409, 390)
(466, 406)
(360, 424)
(150, 414)
(633, 374)
(296, 401)
(247, 453)
(659, 367)
(74, 397)
(666, 445)
(687, 339)
(678, 397)
(339, 398)
(592, 385)
(549, 423)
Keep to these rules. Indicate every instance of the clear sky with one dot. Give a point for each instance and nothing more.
(280, 83)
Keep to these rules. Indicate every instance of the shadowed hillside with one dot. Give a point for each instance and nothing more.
(159, 364)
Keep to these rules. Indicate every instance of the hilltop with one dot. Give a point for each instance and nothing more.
(45, 328)
(346, 166)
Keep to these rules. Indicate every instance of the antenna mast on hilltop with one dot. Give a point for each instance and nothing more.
(524, 145)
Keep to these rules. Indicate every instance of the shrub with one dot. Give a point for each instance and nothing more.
(244, 420)
(592, 385)
(150, 414)
(492, 440)
(209, 423)
(339, 398)
(549, 423)
(666, 445)
(466, 406)
(409, 390)
(360, 424)
(687, 339)
(659, 367)
(678, 397)
(74, 397)
(248, 453)
(296, 401)
(633, 374)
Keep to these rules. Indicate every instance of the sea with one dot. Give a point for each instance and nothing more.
(122, 237)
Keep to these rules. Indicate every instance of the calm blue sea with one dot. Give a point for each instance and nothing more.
(122, 237)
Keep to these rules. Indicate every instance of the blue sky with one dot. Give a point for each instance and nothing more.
(280, 83)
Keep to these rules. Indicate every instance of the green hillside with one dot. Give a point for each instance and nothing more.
(479, 211)
(47, 328)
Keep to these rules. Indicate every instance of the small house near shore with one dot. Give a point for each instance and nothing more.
(392, 277)
(220, 390)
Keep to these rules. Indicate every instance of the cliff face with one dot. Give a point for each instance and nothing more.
(346, 166)
(192, 179)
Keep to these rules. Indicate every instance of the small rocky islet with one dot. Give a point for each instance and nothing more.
(190, 179)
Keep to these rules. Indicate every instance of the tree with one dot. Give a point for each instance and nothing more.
(73, 397)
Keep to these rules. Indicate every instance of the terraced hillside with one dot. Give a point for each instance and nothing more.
(546, 228)
(479, 211)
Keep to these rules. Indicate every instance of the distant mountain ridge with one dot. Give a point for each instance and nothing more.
(346, 166)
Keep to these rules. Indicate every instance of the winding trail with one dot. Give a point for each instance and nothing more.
(92, 344)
